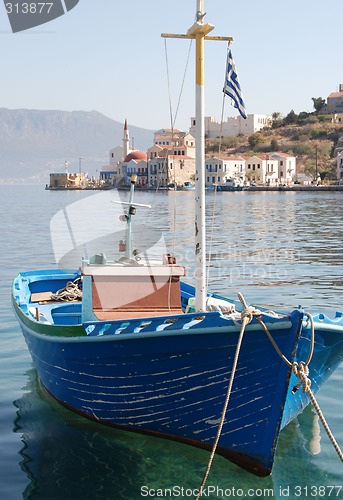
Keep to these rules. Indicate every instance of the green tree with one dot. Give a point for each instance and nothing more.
(290, 118)
(274, 145)
(276, 119)
(255, 139)
(318, 103)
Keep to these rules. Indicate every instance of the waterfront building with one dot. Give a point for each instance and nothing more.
(261, 170)
(219, 169)
(286, 167)
(117, 172)
(176, 142)
(171, 158)
(170, 169)
(64, 180)
(134, 163)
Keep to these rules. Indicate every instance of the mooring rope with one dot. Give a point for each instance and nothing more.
(300, 370)
(246, 317)
(70, 292)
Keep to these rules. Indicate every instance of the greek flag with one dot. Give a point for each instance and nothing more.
(232, 87)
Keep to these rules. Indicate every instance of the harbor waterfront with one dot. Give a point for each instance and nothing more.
(275, 246)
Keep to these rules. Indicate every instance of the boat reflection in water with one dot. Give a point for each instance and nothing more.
(67, 456)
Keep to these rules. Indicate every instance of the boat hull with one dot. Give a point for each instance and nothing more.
(168, 376)
(173, 384)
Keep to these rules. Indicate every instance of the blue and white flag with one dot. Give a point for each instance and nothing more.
(232, 87)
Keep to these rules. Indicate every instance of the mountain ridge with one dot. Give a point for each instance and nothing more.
(35, 142)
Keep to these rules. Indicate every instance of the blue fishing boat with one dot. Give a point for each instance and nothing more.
(128, 343)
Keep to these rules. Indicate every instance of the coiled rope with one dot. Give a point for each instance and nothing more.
(69, 293)
(300, 370)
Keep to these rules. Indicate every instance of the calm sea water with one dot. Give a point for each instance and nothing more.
(278, 249)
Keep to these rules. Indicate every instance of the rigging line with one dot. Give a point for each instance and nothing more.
(215, 187)
(221, 125)
(173, 120)
(223, 104)
(172, 123)
(168, 84)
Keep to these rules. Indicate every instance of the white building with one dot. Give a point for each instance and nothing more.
(287, 167)
(234, 126)
(261, 170)
(171, 158)
(219, 169)
(175, 141)
(271, 169)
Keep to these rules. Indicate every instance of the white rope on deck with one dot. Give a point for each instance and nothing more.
(69, 293)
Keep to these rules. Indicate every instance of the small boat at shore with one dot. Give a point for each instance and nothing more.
(128, 343)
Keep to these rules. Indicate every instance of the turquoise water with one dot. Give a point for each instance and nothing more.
(278, 249)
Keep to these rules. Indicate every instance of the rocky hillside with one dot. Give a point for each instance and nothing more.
(314, 140)
(34, 142)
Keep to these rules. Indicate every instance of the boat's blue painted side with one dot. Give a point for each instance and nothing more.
(327, 356)
(173, 384)
(168, 375)
(172, 381)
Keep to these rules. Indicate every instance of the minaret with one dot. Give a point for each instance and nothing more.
(126, 139)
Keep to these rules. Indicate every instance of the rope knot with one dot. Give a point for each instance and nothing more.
(248, 314)
(301, 371)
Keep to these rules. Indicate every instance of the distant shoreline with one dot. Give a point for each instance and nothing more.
(296, 188)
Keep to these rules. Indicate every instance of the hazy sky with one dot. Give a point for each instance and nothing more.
(107, 55)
